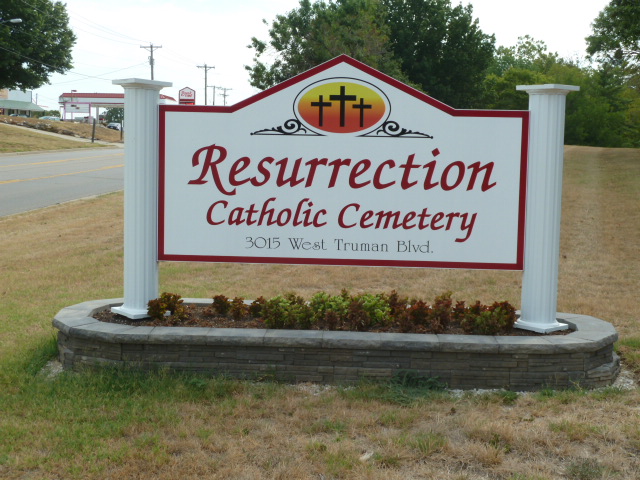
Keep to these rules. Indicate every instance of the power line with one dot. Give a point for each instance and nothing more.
(176, 57)
(103, 37)
(206, 85)
(70, 72)
(98, 77)
(151, 48)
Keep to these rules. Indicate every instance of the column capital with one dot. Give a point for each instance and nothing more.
(142, 83)
(548, 89)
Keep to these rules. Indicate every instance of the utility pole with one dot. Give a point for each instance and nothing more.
(214, 94)
(225, 94)
(151, 48)
(206, 85)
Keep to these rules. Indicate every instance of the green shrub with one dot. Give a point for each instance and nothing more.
(376, 307)
(288, 311)
(329, 311)
(362, 312)
(484, 320)
(170, 303)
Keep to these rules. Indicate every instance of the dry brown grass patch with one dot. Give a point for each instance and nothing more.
(29, 137)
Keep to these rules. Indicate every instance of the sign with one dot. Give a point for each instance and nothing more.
(79, 107)
(343, 165)
(187, 96)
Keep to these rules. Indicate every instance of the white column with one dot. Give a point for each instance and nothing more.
(544, 200)
(141, 98)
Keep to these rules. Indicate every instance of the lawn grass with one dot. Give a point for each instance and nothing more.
(124, 424)
(23, 139)
(13, 140)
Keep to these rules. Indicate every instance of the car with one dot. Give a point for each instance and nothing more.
(54, 119)
(114, 126)
(18, 115)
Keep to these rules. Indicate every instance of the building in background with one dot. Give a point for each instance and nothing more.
(17, 102)
(88, 105)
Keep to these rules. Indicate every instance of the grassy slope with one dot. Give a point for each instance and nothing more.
(25, 139)
(116, 425)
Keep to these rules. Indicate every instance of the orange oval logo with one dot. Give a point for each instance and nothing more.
(342, 106)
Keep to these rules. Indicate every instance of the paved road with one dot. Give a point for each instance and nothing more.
(36, 180)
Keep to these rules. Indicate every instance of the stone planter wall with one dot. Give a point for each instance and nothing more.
(584, 357)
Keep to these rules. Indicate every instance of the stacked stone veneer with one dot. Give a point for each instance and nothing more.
(584, 357)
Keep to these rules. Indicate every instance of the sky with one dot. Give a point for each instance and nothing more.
(110, 36)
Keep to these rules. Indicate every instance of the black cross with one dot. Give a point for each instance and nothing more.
(362, 108)
(343, 98)
(320, 104)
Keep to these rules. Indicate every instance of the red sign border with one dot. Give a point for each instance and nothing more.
(523, 114)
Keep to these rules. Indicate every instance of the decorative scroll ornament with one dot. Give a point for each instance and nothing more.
(289, 127)
(393, 129)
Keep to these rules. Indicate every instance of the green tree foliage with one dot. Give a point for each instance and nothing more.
(526, 63)
(114, 115)
(597, 115)
(527, 54)
(440, 48)
(603, 113)
(36, 48)
(49, 113)
(427, 43)
(616, 34)
(500, 90)
(316, 32)
(615, 43)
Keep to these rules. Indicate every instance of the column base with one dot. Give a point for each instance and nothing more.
(540, 327)
(132, 313)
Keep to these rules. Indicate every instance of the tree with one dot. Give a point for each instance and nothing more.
(48, 113)
(316, 32)
(528, 54)
(615, 42)
(526, 63)
(596, 114)
(616, 34)
(600, 114)
(425, 43)
(114, 115)
(36, 48)
(440, 48)
(500, 90)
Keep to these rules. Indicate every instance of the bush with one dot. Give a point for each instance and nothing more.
(329, 311)
(362, 312)
(221, 305)
(255, 309)
(484, 320)
(168, 303)
(238, 309)
(288, 311)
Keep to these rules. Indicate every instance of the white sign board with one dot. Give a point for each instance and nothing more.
(187, 96)
(343, 165)
(78, 107)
